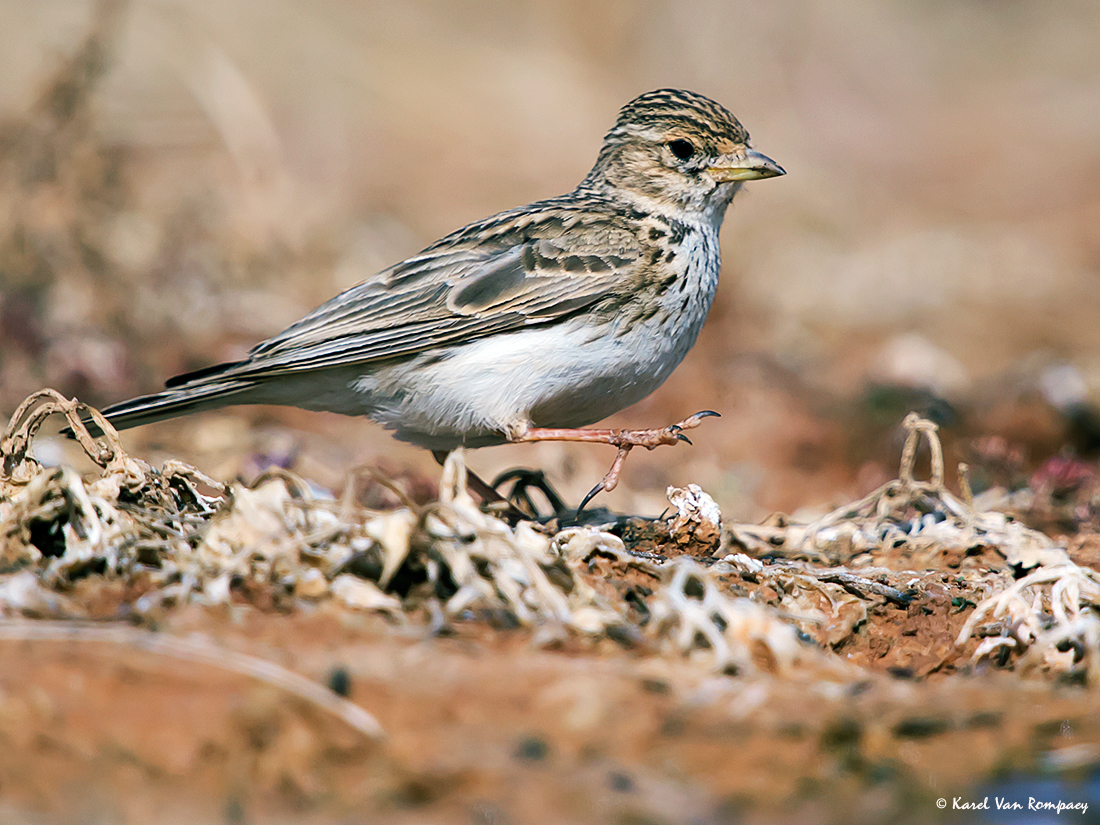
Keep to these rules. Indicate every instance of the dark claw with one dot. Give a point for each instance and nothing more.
(707, 414)
(595, 491)
(684, 438)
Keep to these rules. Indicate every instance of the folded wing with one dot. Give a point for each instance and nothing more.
(444, 296)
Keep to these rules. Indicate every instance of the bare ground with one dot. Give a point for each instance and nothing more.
(152, 679)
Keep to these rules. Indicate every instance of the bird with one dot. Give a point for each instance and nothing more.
(529, 325)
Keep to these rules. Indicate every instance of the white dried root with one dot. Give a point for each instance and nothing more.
(828, 603)
(277, 532)
(886, 518)
(1049, 619)
(698, 519)
(495, 565)
(692, 614)
(18, 467)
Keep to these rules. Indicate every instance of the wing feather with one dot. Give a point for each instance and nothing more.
(452, 293)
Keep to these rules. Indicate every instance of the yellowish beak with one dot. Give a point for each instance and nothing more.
(750, 166)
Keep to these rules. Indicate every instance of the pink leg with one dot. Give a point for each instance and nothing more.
(625, 440)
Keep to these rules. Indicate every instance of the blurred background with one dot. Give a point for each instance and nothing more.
(179, 180)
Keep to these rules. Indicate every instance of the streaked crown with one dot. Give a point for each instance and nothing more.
(666, 109)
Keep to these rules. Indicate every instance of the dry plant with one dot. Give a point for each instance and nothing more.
(693, 614)
(177, 536)
(1047, 621)
(920, 517)
(174, 536)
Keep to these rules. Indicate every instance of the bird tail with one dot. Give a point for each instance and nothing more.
(194, 392)
(171, 403)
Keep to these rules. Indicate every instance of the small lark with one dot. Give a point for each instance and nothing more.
(527, 325)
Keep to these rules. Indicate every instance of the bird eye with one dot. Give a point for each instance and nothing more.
(681, 148)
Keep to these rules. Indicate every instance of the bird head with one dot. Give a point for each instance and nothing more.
(677, 151)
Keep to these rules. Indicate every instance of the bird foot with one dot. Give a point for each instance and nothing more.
(650, 439)
(625, 440)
